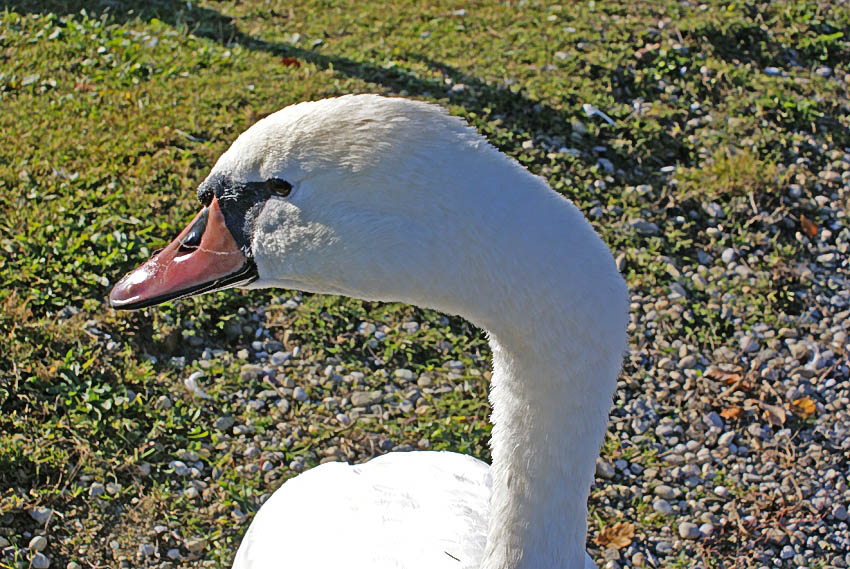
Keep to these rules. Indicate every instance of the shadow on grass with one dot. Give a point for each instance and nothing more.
(518, 113)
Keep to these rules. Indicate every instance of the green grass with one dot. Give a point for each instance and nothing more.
(112, 113)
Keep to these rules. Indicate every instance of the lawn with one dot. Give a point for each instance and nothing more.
(729, 120)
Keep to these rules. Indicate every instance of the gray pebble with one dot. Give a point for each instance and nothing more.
(366, 398)
(604, 469)
(163, 403)
(39, 561)
(663, 548)
(299, 394)
(250, 372)
(96, 489)
(404, 374)
(38, 543)
(196, 545)
(41, 515)
(688, 530)
(748, 344)
(728, 255)
(146, 549)
(643, 227)
(179, 467)
(839, 512)
(662, 506)
(664, 491)
(224, 423)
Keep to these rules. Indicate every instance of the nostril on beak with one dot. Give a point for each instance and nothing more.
(193, 238)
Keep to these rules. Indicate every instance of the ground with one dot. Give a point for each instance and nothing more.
(709, 143)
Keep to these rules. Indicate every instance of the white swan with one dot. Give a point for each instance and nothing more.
(390, 199)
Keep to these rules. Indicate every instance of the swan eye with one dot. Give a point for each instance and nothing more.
(279, 187)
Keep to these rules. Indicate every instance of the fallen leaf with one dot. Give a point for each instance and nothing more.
(774, 414)
(290, 62)
(809, 226)
(617, 536)
(733, 412)
(804, 407)
(726, 377)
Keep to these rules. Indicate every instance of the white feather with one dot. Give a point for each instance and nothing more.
(395, 200)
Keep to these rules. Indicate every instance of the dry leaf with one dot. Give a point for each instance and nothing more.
(731, 413)
(290, 62)
(774, 414)
(726, 377)
(617, 536)
(804, 407)
(809, 227)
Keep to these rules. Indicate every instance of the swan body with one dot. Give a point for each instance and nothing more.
(394, 200)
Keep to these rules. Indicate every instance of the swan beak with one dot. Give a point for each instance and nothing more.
(203, 258)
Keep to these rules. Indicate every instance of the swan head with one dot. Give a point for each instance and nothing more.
(358, 195)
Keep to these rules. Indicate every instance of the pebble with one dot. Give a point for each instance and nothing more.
(643, 227)
(664, 491)
(604, 469)
(96, 489)
(41, 515)
(39, 561)
(688, 530)
(366, 398)
(224, 423)
(38, 543)
(662, 506)
(196, 545)
(163, 403)
(146, 549)
(299, 394)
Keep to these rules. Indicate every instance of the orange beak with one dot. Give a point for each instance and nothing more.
(203, 258)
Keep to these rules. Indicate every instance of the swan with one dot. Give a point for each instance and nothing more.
(391, 199)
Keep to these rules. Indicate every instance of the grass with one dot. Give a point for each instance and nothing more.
(112, 112)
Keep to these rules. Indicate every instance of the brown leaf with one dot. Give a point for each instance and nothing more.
(731, 413)
(726, 377)
(617, 536)
(804, 407)
(809, 226)
(774, 414)
(290, 62)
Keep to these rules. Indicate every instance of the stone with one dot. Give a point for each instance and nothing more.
(250, 372)
(404, 374)
(664, 491)
(688, 530)
(146, 549)
(196, 545)
(38, 543)
(163, 403)
(839, 512)
(299, 394)
(366, 398)
(604, 469)
(224, 423)
(39, 561)
(41, 514)
(96, 489)
(643, 227)
(662, 506)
